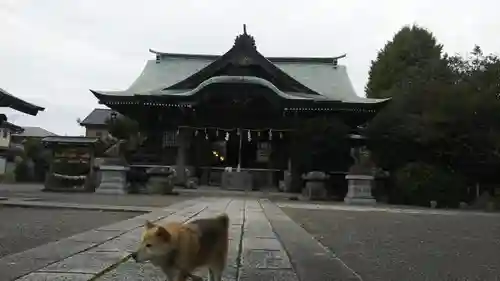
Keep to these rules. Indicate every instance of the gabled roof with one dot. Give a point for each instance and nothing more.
(12, 127)
(35, 132)
(8, 100)
(98, 117)
(69, 140)
(169, 74)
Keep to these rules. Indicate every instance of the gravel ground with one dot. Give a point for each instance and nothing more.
(395, 246)
(34, 191)
(25, 228)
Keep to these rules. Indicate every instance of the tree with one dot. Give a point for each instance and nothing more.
(127, 132)
(451, 124)
(411, 57)
(411, 70)
(122, 127)
(35, 153)
(469, 114)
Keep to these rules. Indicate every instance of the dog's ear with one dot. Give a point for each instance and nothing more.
(163, 233)
(149, 225)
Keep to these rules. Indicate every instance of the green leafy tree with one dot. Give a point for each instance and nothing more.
(411, 70)
(122, 127)
(127, 131)
(444, 112)
(468, 116)
(411, 57)
(35, 151)
(450, 124)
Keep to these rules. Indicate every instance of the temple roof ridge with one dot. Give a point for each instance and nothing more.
(291, 59)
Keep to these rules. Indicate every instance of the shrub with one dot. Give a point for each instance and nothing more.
(419, 183)
(8, 177)
(22, 172)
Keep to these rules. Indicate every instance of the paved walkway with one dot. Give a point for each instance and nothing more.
(264, 244)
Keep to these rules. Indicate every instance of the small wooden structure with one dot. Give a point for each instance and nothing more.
(72, 164)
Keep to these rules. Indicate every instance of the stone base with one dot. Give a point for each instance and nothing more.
(315, 190)
(360, 201)
(237, 180)
(113, 180)
(287, 179)
(160, 185)
(359, 190)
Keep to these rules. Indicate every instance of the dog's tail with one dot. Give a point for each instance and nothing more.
(224, 219)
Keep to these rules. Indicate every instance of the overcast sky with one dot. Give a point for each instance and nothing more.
(53, 51)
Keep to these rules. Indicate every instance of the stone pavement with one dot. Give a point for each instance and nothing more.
(265, 244)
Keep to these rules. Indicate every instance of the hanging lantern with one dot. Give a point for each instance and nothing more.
(227, 136)
(196, 132)
(238, 132)
(281, 135)
(217, 133)
(177, 132)
(206, 135)
(271, 134)
(249, 135)
(258, 133)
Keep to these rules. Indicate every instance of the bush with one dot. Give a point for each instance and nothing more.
(8, 177)
(22, 172)
(419, 183)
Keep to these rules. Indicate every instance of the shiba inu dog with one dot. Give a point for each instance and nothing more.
(180, 249)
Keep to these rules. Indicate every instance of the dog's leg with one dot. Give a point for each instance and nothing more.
(171, 273)
(214, 274)
(195, 277)
(170, 276)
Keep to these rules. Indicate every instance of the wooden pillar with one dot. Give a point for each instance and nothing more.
(295, 176)
(182, 156)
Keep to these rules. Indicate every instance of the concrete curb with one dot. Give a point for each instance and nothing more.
(311, 260)
(263, 256)
(74, 206)
(386, 208)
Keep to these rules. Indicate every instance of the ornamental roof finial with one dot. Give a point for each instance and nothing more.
(244, 41)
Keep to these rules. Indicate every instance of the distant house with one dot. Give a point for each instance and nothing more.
(7, 129)
(30, 133)
(95, 122)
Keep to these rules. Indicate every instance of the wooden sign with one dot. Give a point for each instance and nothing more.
(263, 152)
(170, 138)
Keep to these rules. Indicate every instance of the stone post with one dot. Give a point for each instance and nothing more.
(113, 179)
(160, 180)
(360, 179)
(287, 177)
(234, 180)
(359, 189)
(315, 188)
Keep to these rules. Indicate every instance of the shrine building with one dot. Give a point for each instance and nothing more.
(238, 109)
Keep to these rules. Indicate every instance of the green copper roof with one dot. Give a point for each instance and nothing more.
(329, 80)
